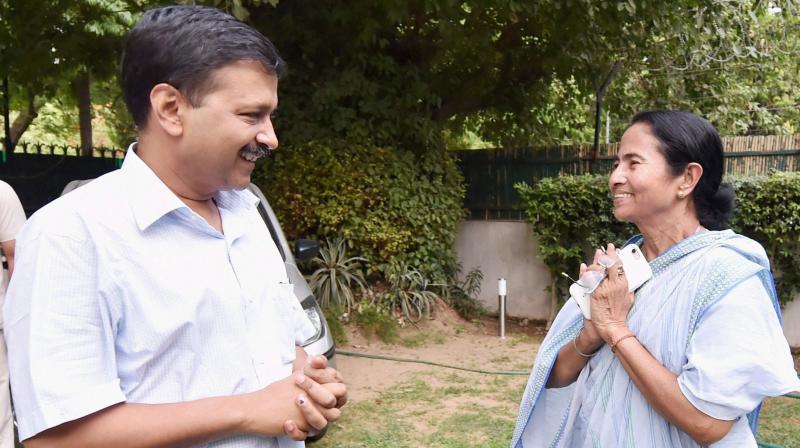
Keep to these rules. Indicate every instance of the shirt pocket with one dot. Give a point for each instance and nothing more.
(284, 321)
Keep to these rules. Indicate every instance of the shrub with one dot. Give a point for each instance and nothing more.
(769, 212)
(391, 206)
(408, 292)
(572, 215)
(462, 295)
(336, 275)
(376, 319)
(333, 316)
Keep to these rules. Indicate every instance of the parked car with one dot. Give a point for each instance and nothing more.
(322, 342)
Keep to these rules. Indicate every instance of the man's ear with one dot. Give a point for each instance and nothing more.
(167, 104)
(691, 176)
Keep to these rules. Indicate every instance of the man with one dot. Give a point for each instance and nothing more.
(12, 217)
(150, 307)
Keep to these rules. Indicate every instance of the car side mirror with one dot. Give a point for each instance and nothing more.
(305, 250)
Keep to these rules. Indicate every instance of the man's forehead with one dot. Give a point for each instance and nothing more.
(245, 81)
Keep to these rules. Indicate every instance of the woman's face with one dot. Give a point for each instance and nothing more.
(643, 188)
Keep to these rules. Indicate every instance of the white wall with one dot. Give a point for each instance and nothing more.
(791, 321)
(508, 249)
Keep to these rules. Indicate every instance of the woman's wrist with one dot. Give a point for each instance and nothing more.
(612, 333)
(585, 345)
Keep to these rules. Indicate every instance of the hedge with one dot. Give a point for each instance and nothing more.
(572, 215)
(393, 207)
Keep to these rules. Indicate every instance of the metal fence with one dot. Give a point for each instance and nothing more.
(38, 172)
(490, 174)
(45, 149)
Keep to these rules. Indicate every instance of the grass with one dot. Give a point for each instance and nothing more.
(437, 410)
(780, 422)
(444, 409)
(420, 338)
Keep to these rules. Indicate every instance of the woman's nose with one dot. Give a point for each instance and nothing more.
(617, 177)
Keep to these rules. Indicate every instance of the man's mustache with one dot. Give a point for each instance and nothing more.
(261, 149)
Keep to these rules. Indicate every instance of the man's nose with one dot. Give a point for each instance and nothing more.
(268, 137)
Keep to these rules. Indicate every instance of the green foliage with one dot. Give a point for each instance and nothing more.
(376, 319)
(462, 295)
(572, 215)
(391, 206)
(336, 275)
(409, 292)
(333, 316)
(769, 212)
(423, 75)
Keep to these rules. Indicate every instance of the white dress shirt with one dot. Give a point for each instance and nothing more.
(123, 293)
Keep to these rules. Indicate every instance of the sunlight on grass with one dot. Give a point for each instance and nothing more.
(440, 410)
(780, 422)
(458, 410)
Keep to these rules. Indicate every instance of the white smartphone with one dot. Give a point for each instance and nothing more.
(637, 269)
(637, 272)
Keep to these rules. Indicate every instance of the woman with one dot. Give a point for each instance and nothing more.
(688, 359)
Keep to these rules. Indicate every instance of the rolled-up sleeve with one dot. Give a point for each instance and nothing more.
(59, 331)
(738, 355)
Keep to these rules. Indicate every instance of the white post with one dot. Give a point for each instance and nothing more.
(501, 292)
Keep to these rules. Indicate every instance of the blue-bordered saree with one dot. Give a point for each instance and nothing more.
(710, 315)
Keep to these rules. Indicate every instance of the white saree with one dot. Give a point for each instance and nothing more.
(710, 315)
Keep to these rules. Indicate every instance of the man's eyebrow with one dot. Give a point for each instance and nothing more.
(262, 108)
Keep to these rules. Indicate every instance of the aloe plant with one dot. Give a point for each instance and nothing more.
(408, 292)
(336, 276)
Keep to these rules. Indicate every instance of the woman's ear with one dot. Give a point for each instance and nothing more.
(166, 107)
(691, 176)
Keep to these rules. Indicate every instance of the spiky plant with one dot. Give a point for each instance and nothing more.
(408, 292)
(336, 276)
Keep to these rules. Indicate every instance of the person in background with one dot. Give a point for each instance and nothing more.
(12, 217)
(150, 307)
(689, 358)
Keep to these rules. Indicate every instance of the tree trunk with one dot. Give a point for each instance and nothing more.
(21, 123)
(7, 146)
(600, 92)
(82, 85)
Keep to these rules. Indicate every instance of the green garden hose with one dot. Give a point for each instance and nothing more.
(431, 363)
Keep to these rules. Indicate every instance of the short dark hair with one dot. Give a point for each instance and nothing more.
(183, 46)
(687, 138)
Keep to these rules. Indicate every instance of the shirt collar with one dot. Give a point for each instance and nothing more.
(152, 199)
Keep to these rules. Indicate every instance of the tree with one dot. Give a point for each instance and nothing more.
(410, 73)
(51, 48)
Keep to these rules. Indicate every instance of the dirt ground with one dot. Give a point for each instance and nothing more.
(448, 339)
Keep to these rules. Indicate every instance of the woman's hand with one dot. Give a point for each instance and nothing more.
(589, 336)
(611, 301)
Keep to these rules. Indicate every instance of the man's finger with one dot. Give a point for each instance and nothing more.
(332, 414)
(339, 390)
(321, 395)
(312, 415)
(318, 362)
(323, 375)
(293, 432)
